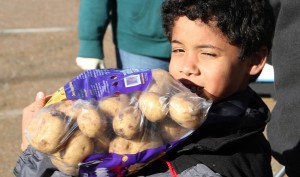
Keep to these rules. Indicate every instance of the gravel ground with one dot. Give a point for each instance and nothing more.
(38, 47)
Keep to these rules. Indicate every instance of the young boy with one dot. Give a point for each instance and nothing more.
(218, 48)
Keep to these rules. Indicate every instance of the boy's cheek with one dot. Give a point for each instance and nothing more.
(173, 69)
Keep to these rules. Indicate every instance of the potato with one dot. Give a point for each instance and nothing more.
(91, 122)
(101, 144)
(154, 87)
(120, 146)
(148, 143)
(160, 76)
(127, 123)
(46, 130)
(68, 108)
(161, 81)
(66, 169)
(124, 146)
(111, 106)
(164, 83)
(170, 131)
(185, 110)
(78, 147)
(152, 106)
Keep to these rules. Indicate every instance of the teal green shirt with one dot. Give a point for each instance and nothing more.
(136, 25)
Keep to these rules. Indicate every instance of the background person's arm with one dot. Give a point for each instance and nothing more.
(94, 17)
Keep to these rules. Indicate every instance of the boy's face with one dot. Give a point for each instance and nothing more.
(203, 60)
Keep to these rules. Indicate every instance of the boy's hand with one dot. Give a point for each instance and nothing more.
(28, 113)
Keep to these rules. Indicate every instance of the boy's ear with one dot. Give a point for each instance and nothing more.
(258, 61)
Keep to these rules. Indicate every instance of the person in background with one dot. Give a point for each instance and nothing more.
(137, 34)
(283, 130)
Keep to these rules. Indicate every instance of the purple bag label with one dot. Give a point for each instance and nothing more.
(115, 165)
(100, 83)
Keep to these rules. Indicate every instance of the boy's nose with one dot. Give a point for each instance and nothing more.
(189, 67)
(186, 71)
(189, 70)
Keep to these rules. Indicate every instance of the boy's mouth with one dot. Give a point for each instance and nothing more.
(197, 89)
(193, 87)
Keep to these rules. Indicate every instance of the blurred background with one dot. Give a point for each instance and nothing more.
(38, 47)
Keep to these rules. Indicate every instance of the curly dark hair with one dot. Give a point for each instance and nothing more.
(248, 24)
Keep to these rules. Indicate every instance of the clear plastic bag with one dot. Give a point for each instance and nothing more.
(115, 121)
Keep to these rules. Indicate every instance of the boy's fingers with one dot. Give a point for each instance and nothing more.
(40, 100)
(28, 113)
(47, 98)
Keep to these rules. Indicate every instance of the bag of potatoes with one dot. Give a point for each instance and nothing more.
(114, 122)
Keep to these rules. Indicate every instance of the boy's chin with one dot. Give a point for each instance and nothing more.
(207, 96)
(203, 94)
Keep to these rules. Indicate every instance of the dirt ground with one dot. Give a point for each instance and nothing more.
(38, 47)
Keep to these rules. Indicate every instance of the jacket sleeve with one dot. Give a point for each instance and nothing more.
(93, 21)
(34, 163)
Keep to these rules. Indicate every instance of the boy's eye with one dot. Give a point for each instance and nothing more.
(209, 54)
(177, 50)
